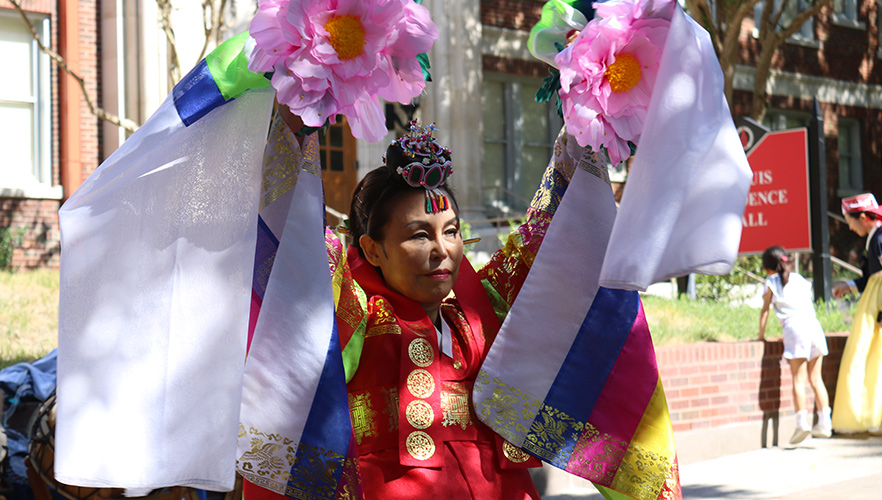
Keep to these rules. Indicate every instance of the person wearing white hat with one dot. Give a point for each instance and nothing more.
(863, 215)
(857, 406)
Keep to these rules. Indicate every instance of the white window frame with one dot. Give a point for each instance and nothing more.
(805, 35)
(776, 119)
(515, 140)
(855, 175)
(41, 170)
(846, 14)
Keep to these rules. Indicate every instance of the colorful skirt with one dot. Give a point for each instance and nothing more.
(857, 403)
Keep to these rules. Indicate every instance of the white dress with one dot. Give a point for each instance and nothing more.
(803, 335)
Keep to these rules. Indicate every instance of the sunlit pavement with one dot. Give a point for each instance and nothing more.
(843, 467)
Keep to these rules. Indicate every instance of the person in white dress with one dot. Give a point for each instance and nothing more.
(804, 342)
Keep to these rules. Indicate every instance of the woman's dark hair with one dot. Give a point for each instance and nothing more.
(373, 196)
(857, 215)
(775, 258)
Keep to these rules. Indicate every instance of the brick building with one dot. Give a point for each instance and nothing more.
(835, 57)
(49, 138)
(501, 145)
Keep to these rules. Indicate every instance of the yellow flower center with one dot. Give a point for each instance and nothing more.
(624, 74)
(347, 36)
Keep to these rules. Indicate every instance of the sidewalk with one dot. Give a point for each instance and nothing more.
(838, 468)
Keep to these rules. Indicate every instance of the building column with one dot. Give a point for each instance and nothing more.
(69, 97)
(453, 98)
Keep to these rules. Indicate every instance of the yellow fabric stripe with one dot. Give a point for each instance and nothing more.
(650, 454)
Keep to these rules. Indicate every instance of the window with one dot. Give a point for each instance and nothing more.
(845, 12)
(784, 120)
(851, 178)
(791, 8)
(25, 110)
(519, 135)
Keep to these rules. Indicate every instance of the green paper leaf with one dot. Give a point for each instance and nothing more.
(550, 86)
(423, 59)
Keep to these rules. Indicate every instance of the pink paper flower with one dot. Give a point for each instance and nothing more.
(608, 72)
(334, 57)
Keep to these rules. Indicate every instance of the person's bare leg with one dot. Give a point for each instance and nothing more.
(798, 371)
(799, 375)
(824, 427)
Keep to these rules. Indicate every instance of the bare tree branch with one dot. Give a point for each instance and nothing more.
(804, 16)
(725, 30)
(174, 69)
(212, 23)
(97, 111)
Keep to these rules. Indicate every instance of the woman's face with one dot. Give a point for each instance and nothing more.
(420, 253)
(860, 225)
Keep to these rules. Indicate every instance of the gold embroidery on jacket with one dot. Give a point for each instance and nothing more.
(514, 453)
(381, 319)
(362, 414)
(420, 383)
(420, 352)
(455, 405)
(390, 408)
(420, 445)
(373, 331)
(419, 414)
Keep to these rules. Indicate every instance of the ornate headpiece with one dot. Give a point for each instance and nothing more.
(422, 162)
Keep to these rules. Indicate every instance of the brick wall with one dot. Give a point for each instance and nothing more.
(495, 64)
(514, 14)
(40, 243)
(35, 225)
(90, 54)
(715, 384)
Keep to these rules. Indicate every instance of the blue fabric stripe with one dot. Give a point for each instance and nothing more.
(326, 436)
(264, 255)
(196, 94)
(592, 355)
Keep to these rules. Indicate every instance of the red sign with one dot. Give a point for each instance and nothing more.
(777, 211)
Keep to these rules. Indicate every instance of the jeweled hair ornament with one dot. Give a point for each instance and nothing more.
(422, 162)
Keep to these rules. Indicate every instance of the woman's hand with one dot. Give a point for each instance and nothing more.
(295, 123)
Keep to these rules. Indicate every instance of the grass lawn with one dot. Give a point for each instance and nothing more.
(675, 322)
(29, 318)
(28, 315)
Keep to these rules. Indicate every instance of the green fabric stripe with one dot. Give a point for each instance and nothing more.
(499, 304)
(611, 494)
(228, 64)
(352, 351)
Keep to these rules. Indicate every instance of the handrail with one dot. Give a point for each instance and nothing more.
(510, 193)
(835, 216)
(336, 214)
(847, 265)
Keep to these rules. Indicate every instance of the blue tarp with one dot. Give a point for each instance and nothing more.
(21, 382)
